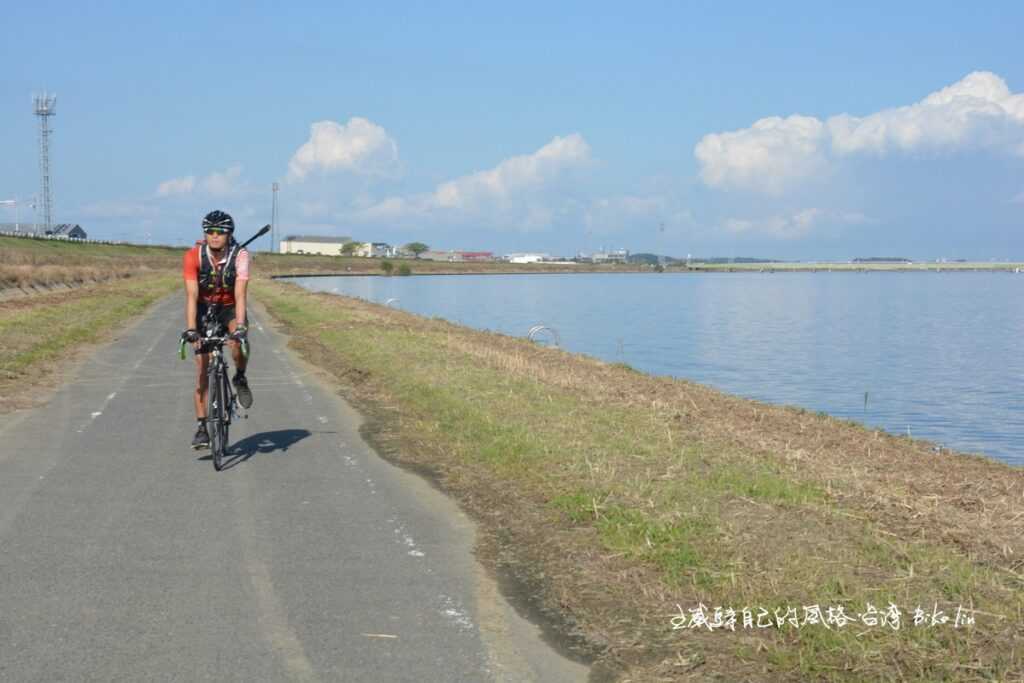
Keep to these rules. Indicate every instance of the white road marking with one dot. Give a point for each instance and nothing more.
(407, 540)
(97, 414)
(323, 420)
(453, 611)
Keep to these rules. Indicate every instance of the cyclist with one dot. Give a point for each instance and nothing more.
(216, 272)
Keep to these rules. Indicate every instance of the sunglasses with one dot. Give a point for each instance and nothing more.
(216, 231)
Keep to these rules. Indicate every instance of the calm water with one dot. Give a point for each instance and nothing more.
(937, 353)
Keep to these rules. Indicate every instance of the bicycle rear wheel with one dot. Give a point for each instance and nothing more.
(215, 420)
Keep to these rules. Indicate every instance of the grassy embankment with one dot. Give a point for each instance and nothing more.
(111, 285)
(32, 263)
(616, 496)
(40, 331)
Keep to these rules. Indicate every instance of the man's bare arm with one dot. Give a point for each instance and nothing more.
(241, 287)
(191, 305)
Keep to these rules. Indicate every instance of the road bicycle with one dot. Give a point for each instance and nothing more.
(221, 402)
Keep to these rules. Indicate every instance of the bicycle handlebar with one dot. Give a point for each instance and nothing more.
(219, 341)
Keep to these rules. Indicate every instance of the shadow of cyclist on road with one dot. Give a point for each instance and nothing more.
(264, 442)
(268, 442)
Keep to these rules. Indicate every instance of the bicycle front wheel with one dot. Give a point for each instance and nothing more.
(215, 415)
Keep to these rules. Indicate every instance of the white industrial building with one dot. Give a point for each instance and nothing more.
(527, 258)
(615, 256)
(313, 244)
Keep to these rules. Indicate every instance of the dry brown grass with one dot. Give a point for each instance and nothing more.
(29, 263)
(25, 276)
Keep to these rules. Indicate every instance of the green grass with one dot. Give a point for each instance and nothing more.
(761, 482)
(677, 548)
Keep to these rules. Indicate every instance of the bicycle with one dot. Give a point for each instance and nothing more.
(221, 402)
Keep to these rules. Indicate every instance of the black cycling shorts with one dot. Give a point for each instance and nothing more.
(224, 314)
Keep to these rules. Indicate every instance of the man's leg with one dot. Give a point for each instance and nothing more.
(202, 437)
(241, 362)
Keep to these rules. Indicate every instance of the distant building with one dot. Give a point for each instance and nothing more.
(475, 255)
(65, 230)
(527, 258)
(616, 256)
(69, 230)
(313, 244)
(457, 256)
(434, 255)
(375, 250)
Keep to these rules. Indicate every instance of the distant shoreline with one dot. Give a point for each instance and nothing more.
(521, 269)
(965, 266)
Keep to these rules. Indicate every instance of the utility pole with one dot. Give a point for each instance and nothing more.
(45, 106)
(273, 221)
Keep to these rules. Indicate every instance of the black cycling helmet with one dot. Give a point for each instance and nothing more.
(219, 219)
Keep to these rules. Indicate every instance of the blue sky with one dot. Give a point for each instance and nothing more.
(796, 130)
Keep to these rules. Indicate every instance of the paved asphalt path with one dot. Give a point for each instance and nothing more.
(124, 556)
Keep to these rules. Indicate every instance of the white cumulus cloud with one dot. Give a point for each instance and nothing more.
(776, 154)
(519, 173)
(176, 186)
(216, 184)
(223, 183)
(971, 113)
(771, 155)
(510, 194)
(359, 146)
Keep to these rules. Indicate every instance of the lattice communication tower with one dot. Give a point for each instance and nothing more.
(45, 107)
